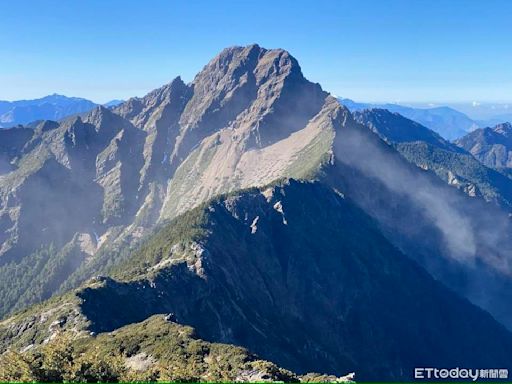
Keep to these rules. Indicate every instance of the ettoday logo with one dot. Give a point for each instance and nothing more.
(459, 373)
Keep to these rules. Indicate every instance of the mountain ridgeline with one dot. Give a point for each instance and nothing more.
(91, 185)
(257, 209)
(446, 121)
(429, 151)
(492, 146)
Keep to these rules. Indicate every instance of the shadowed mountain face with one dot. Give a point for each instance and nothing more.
(240, 270)
(462, 241)
(319, 302)
(11, 142)
(431, 152)
(79, 196)
(53, 107)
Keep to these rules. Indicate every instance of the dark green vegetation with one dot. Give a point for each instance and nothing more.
(461, 247)
(154, 350)
(15, 278)
(462, 171)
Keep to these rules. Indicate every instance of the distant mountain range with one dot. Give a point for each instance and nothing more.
(52, 107)
(486, 114)
(448, 122)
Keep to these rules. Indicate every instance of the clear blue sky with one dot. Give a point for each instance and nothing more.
(445, 50)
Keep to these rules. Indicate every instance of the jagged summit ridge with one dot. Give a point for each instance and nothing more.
(248, 118)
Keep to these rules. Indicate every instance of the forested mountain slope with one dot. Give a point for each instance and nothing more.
(297, 274)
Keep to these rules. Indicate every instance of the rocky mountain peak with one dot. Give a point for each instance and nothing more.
(238, 76)
(74, 129)
(248, 118)
(234, 54)
(139, 110)
(99, 115)
(266, 62)
(504, 129)
(176, 84)
(166, 92)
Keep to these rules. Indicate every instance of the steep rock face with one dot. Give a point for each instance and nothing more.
(246, 100)
(222, 163)
(492, 146)
(158, 115)
(248, 118)
(240, 270)
(77, 176)
(11, 142)
(429, 151)
(249, 88)
(65, 170)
